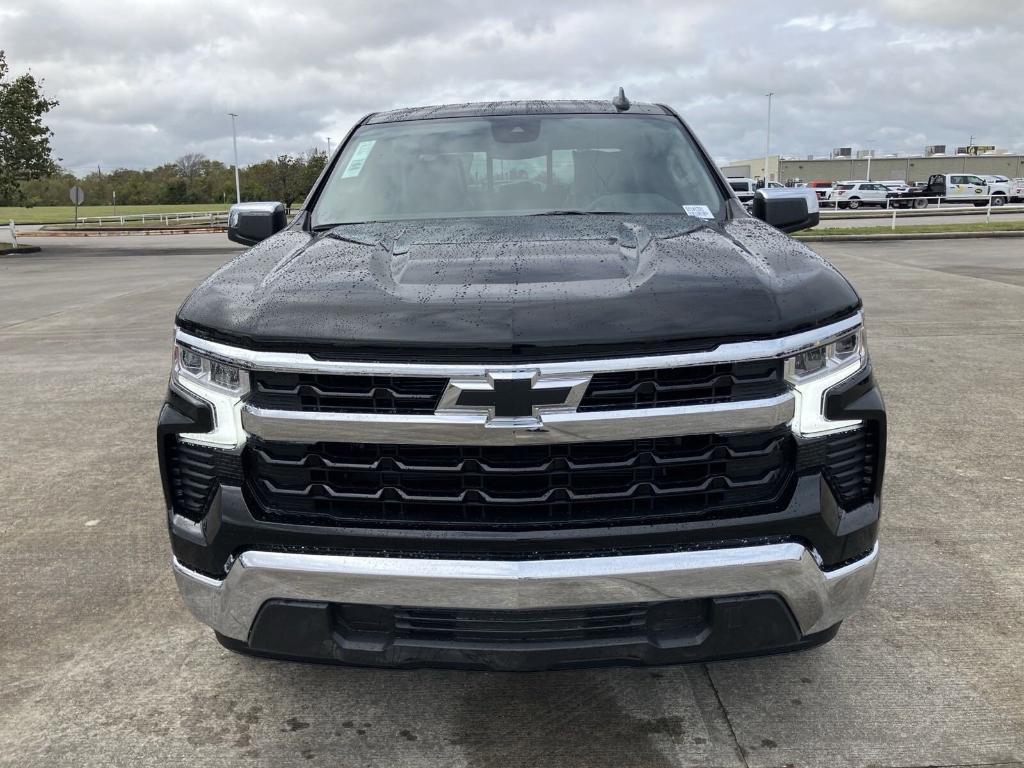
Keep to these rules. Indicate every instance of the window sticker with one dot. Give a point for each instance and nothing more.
(358, 159)
(698, 211)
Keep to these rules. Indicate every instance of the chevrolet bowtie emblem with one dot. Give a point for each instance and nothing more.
(514, 397)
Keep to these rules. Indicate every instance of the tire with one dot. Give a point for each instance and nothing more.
(853, 203)
(998, 200)
(921, 202)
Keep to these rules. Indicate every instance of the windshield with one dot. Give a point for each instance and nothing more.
(517, 165)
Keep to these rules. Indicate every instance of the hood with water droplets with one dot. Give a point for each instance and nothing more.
(536, 287)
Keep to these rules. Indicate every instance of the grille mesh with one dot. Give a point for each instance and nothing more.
(617, 390)
(635, 621)
(518, 487)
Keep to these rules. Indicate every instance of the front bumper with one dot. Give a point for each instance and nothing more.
(299, 589)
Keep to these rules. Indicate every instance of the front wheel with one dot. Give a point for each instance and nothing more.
(854, 203)
(998, 200)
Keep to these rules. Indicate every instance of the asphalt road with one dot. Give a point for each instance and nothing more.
(101, 665)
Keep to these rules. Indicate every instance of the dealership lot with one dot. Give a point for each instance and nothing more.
(101, 665)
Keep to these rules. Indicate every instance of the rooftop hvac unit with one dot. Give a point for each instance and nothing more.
(975, 149)
(935, 149)
(842, 152)
(863, 153)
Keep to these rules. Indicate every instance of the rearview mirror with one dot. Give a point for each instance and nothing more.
(787, 209)
(250, 223)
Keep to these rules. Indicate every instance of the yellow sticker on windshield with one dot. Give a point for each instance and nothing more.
(358, 159)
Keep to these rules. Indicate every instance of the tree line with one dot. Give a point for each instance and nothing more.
(192, 178)
(30, 177)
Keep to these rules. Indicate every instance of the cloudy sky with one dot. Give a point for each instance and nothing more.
(141, 83)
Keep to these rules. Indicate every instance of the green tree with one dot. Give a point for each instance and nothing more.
(24, 138)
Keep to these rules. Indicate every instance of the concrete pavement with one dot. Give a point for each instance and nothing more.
(101, 665)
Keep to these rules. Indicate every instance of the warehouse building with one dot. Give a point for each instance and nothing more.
(906, 168)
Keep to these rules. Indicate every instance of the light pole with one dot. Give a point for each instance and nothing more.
(768, 138)
(234, 142)
(328, 147)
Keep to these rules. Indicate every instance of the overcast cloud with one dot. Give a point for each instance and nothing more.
(142, 83)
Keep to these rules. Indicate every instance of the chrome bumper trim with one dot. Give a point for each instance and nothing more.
(469, 428)
(818, 599)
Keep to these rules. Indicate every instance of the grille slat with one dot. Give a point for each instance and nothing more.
(332, 393)
(636, 621)
(517, 487)
(692, 385)
(195, 472)
(851, 464)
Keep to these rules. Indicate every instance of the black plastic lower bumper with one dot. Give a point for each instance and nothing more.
(659, 633)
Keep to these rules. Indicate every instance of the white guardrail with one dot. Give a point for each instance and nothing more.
(935, 206)
(211, 217)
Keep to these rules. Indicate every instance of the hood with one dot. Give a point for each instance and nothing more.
(542, 286)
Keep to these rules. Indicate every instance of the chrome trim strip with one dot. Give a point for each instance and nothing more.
(817, 598)
(473, 428)
(724, 353)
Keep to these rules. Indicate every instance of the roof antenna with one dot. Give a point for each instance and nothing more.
(620, 102)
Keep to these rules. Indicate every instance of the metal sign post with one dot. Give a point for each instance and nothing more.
(77, 197)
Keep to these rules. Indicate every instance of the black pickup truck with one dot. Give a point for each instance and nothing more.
(523, 386)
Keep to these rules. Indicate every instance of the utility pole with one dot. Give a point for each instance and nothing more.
(234, 142)
(328, 147)
(768, 138)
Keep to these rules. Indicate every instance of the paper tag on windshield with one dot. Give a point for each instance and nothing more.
(698, 211)
(355, 163)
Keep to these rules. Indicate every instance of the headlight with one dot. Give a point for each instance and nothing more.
(812, 372)
(218, 383)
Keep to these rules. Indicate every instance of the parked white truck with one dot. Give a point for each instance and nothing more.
(954, 188)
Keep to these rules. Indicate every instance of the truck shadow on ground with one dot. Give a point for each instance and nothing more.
(602, 718)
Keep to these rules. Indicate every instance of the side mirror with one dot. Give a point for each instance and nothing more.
(250, 223)
(787, 209)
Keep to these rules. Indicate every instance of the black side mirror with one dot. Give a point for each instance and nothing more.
(249, 223)
(787, 209)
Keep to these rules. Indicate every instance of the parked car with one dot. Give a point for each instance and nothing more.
(895, 185)
(523, 386)
(854, 194)
(998, 188)
(821, 188)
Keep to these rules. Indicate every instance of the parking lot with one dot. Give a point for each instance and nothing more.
(101, 665)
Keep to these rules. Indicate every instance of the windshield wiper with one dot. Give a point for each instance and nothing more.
(577, 212)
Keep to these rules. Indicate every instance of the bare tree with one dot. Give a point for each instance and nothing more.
(190, 166)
